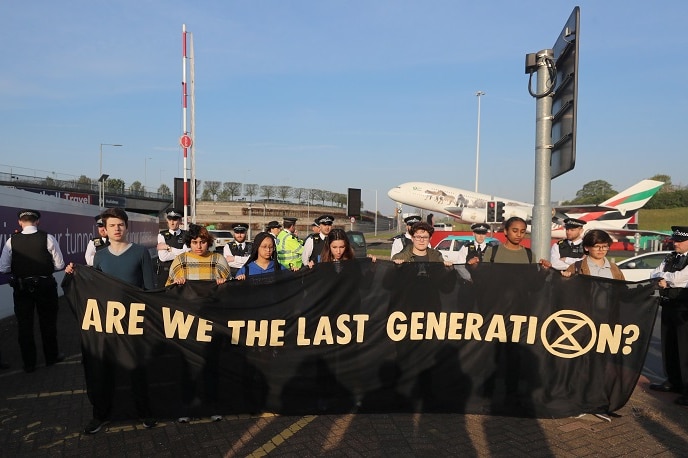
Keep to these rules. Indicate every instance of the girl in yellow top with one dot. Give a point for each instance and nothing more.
(199, 263)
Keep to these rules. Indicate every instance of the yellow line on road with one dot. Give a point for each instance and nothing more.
(281, 437)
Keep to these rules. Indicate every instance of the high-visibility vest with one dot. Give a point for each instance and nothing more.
(289, 250)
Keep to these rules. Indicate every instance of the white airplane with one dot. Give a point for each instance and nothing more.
(470, 207)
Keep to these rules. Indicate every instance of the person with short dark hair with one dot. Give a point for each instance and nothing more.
(419, 250)
(31, 256)
(315, 242)
(199, 263)
(401, 241)
(569, 250)
(96, 243)
(596, 243)
(273, 228)
(237, 252)
(132, 264)
(672, 276)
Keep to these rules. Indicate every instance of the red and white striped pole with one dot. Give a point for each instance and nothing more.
(184, 143)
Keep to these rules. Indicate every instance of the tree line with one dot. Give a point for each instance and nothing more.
(597, 191)
(231, 190)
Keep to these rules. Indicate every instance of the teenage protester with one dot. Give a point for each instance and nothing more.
(511, 251)
(401, 241)
(263, 258)
(31, 256)
(419, 250)
(132, 264)
(595, 245)
(199, 263)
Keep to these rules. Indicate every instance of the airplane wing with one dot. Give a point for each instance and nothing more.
(564, 209)
(631, 232)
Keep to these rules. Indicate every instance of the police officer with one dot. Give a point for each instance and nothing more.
(32, 256)
(567, 251)
(274, 228)
(314, 243)
(472, 251)
(673, 279)
(399, 242)
(170, 244)
(96, 243)
(237, 252)
(289, 247)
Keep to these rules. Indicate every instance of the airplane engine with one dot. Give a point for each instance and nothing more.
(520, 211)
(473, 215)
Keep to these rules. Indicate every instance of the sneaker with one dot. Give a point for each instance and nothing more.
(216, 417)
(149, 422)
(94, 426)
(183, 419)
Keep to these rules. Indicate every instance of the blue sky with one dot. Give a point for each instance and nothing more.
(337, 94)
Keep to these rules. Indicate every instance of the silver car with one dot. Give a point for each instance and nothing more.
(640, 267)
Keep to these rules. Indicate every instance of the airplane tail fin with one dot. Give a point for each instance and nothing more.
(634, 197)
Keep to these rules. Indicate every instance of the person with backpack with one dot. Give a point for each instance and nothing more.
(596, 243)
(511, 251)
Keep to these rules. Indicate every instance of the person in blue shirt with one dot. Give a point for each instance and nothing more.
(263, 258)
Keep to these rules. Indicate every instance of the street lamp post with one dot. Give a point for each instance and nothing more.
(477, 148)
(249, 221)
(101, 180)
(145, 174)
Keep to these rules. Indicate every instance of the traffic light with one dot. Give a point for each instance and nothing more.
(491, 216)
(499, 216)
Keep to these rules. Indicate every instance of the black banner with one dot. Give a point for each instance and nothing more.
(366, 337)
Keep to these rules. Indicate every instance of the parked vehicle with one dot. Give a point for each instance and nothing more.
(222, 238)
(450, 246)
(639, 267)
(358, 243)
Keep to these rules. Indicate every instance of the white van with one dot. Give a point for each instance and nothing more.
(443, 227)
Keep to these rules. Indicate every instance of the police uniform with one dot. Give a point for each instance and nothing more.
(570, 250)
(175, 242)
(289, 248)
(239, 251)
(472, 249)
(674, 270)
(96, 243)
(32, 256)
(399, 242)
(273, 225)
(315, 242)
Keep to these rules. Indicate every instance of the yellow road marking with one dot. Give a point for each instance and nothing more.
(282, 436)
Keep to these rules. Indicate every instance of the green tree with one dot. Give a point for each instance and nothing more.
(164, 190)
(115, 185)
(136, 188)
(592, 193)
(666, 179)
